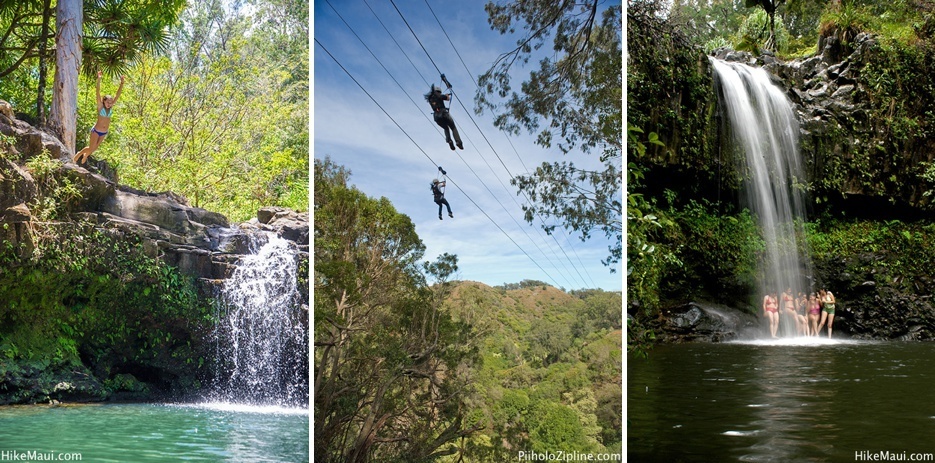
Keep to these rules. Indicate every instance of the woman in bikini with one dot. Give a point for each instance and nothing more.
(827, 311)
(771, 310)
(814, 308)
(801, 309)
(105, 108)
(788, 307)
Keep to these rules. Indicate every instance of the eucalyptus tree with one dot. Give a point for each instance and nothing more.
(572, 101)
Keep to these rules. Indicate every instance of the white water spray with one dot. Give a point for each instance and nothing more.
(262, 337)
(764, 128)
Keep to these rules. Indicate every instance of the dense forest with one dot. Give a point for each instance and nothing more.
(859, 74)
(414, 368)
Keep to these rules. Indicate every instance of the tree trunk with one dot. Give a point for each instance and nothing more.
(64, 114)
(771, 43)
(43, 62)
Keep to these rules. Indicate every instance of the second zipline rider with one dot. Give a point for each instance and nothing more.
(438, 192)
(437, 99)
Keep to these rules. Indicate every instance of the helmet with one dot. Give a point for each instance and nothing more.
(435, 181)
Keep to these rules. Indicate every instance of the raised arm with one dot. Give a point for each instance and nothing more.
(100, 103)
(119, 89)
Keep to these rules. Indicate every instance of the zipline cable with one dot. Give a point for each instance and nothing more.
(449, 41)
(437, 129)
(496, 198)
(414, 35)
(477, 126)
(432, 161)
(397, 43)
(541, 220)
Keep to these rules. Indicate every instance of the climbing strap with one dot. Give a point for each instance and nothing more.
(444, 179)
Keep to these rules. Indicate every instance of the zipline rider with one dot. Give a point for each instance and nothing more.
(436, 100)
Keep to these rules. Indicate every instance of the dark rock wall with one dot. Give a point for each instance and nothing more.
(865, 153)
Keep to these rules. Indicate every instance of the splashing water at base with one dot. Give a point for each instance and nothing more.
(262, 337)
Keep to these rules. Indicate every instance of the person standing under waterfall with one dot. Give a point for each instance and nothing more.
(801, 304)
(105, 109)
(827, 311)
(441, 115)
(788, 308)
(771, 310)
(814, 309)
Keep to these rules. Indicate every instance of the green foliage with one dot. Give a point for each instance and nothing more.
(573, 101)
(895, 252)
(555, 426)
(57, 192)
(722, 250)
(647, 258)
(115, 34)
(715, 43)
(755, 32)
(93, 295)
(669, 94)
(212, 123)
(520, 394)
(384, 348)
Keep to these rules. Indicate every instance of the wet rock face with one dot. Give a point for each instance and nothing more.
(58, 383)
(700, 321)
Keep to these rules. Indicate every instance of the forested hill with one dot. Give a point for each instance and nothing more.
(549, 374)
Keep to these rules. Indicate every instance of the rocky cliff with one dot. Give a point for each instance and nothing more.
(42, 189)
(864, 108)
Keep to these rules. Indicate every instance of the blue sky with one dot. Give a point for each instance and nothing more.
(350, 128)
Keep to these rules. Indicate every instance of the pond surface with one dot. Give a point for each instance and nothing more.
(157, 433)
(802, 399)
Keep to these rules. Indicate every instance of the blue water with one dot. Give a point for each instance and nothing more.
(157, 433)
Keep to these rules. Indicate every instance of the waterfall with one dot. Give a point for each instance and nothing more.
(764, 128)
(262, 335)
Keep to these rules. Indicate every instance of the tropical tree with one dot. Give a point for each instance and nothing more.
(572, 101)
(391, 368)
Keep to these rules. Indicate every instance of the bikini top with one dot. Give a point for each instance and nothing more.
(104, 112)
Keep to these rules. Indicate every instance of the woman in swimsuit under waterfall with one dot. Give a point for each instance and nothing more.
(814, 308)
(771, 310)
(105, 108)
(827, 311)
(788, 307)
